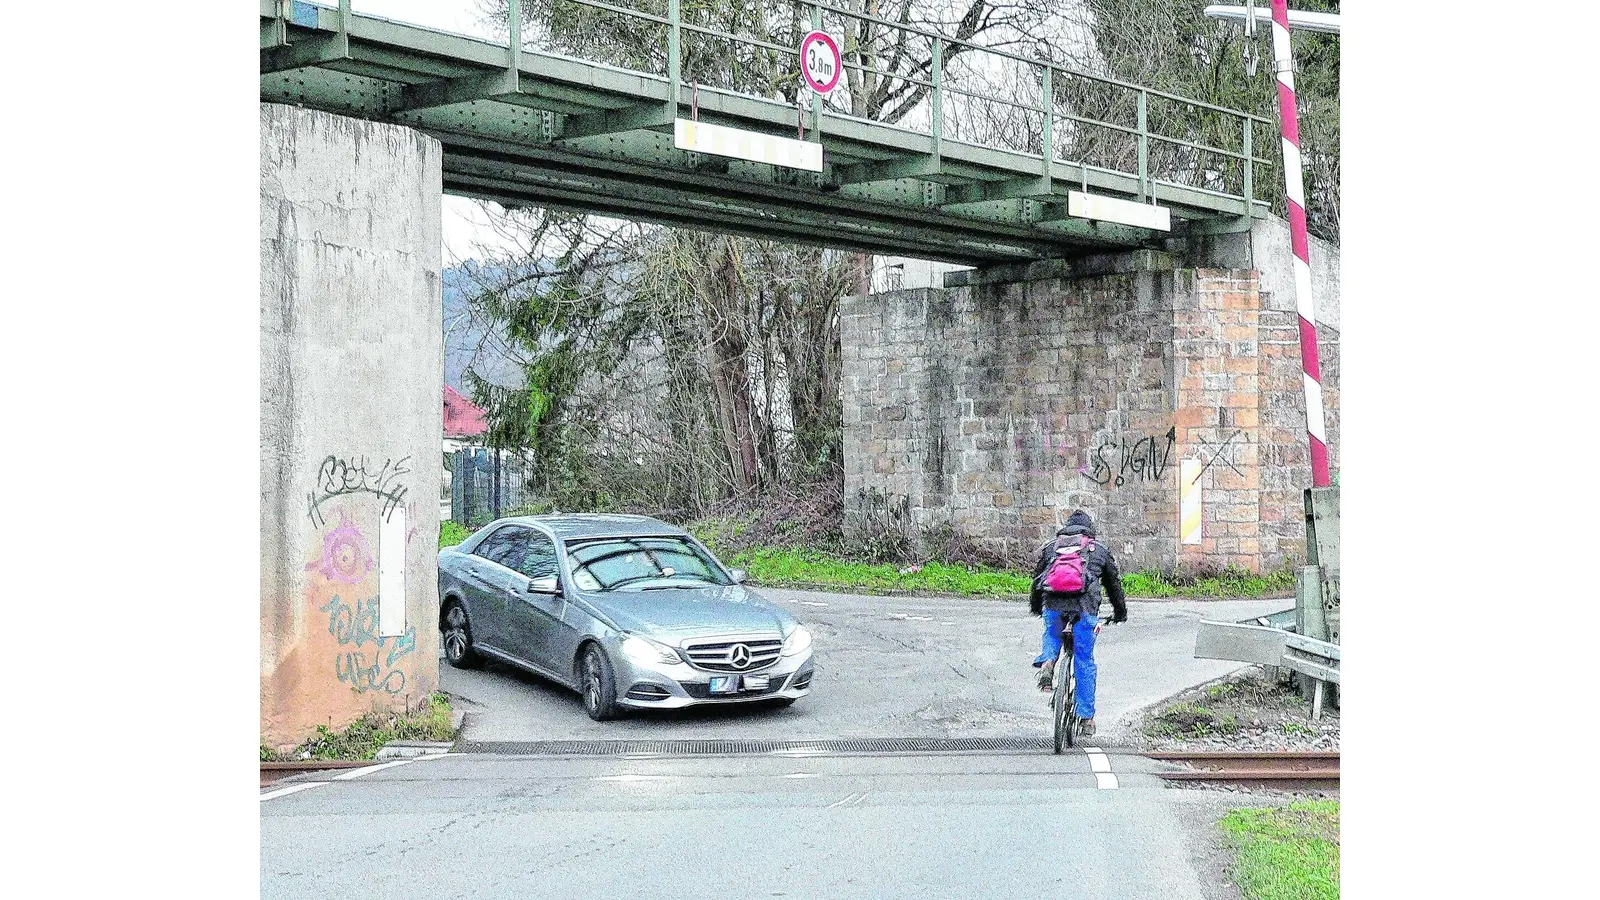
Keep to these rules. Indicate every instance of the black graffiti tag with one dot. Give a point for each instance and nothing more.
(338, 476)
(1117, 462)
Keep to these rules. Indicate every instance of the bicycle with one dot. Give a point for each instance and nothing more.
(1063, 696)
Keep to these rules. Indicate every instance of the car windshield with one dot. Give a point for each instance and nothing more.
(610, 563)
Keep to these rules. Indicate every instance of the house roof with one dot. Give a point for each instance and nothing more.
(462, 418)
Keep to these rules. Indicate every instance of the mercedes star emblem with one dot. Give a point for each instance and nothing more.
(739, 656)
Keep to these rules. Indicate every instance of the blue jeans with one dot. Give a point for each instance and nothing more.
(1083, 665)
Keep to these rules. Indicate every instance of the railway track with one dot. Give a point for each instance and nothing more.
(1284, 769)
(273, 771)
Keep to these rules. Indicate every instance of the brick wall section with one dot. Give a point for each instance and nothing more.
(993, 409)
(1218, 413)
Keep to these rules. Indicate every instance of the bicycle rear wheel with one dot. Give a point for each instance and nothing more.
(1065, 721)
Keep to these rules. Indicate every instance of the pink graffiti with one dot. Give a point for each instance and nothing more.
(345, 554)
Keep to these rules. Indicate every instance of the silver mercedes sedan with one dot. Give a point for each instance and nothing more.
(626, 610)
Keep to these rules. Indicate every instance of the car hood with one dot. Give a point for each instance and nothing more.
(674, 613)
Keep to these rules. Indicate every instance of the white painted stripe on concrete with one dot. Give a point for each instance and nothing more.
(1100, 764)
(293, 788)
(1314, 409)
(357, 773)
(848, 798)
(804, 775)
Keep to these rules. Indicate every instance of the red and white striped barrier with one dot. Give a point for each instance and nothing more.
(1295, 190)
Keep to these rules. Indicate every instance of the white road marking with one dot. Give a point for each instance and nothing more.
(848, 797)
(280, 792)
(812, 603)
(630, 777)
(1100, 764)
(804, 775)
(357, 773)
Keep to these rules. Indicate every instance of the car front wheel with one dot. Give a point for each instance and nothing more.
(599, 685)
(458, 649)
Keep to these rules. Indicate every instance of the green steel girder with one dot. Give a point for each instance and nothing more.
(715, 219)
(531, 127)
(614, 121)
(307, 52)
(811, 209)
(464, 89)
(1011, 189)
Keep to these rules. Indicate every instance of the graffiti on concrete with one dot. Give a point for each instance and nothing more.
(346, 557)
(356, 629)
(1219, 452)
(1115, 463)
(339, 476)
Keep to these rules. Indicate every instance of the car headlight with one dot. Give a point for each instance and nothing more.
(644, 650)
(798, 641)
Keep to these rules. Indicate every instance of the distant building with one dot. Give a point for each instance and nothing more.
(464, 421)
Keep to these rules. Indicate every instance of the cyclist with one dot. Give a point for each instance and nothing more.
(1079, 611)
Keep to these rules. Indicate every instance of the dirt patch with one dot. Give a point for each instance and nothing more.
(1251, 710)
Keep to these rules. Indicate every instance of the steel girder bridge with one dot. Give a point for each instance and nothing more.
(524, 126)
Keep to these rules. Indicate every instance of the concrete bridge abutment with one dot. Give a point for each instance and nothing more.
(351, 375)
(986, 410)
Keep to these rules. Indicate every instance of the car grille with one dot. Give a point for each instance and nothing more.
(718, 656)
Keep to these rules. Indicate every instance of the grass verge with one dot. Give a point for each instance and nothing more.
(794, 567)
(1286, 853)
(452, 533)
(364, 737)
(776, 568)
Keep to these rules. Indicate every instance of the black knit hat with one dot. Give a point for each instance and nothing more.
(1079, 518)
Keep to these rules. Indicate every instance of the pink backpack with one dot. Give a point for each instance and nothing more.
(1066, 572)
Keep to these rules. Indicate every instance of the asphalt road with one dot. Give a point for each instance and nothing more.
(841, 827)
(890, 667)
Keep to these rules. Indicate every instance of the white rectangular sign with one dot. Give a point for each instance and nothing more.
(1123, 212)
(1189, 501)
(704, 137)
(392, 574)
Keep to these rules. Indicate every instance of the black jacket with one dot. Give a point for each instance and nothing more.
(1100, 568)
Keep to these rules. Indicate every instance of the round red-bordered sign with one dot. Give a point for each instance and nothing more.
(820, 63)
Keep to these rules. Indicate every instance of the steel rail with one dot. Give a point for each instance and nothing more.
(1275, 769)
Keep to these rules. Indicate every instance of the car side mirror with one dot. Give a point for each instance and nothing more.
(739, 575)
(547, 585)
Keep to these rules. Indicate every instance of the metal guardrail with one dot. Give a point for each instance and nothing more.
(1262, 645)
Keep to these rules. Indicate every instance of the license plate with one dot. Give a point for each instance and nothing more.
(755, 682)
(724, 684)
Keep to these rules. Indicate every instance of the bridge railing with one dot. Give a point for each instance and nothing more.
(918, 80)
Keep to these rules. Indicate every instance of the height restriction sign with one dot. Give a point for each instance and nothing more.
(820, 62)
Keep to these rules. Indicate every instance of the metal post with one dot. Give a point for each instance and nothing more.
(469, 465)
(1294, 192)
(344, 16)
(938, 95)
(1249, 173)
(1144, 149)
(674, 73)
(515, 43)
(816, 98)
(1047, 89)
(494, 489)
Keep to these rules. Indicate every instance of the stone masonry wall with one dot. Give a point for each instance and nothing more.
(996, 408)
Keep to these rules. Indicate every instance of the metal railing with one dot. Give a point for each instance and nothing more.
(913, 79)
